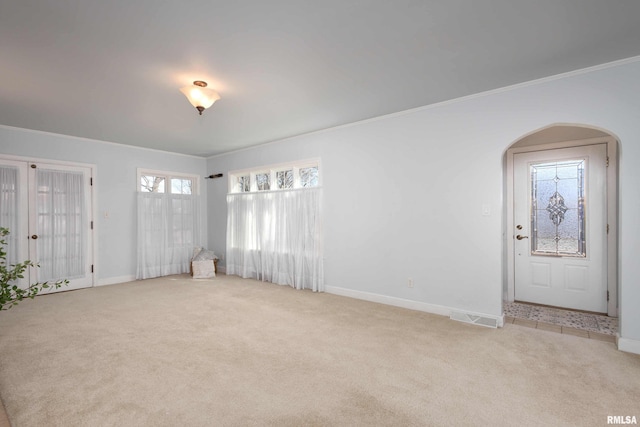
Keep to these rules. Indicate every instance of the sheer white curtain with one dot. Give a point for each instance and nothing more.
(9, 193)
(168, 230)
(61, 224)
(277, 237)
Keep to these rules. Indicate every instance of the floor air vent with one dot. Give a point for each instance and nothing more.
(472, 318)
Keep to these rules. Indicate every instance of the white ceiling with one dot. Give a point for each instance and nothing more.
(111, 69)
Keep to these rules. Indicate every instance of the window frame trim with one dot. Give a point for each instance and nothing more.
(272, 170)
(195, 189)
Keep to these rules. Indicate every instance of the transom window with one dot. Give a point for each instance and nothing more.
(302, 174)
(166, 182)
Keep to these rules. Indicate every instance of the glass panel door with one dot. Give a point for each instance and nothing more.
(60, 225)
(560, 222)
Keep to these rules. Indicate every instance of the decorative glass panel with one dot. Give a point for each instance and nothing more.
(285, 179)
(309, 177)
(557, 213)
(263, 181)
(180, 186)
(151, 184)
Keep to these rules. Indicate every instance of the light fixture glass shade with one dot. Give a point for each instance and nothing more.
(200, 96)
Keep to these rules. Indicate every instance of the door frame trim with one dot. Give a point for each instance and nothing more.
(93, 205)
(612, 213)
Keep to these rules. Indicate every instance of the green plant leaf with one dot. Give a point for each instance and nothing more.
(10, 293)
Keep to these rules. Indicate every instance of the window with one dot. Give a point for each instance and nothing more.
(152, 184)
(284, 179)
(181, 185)
(263, 181)
(274, 233)
(309, 177)
(168, 222)
(301, 174)
(155, 182)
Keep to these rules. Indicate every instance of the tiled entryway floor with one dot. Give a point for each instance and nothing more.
(587, 325)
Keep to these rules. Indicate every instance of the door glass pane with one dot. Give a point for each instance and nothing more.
(557, 212)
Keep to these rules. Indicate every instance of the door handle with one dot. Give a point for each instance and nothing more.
(519, 237)
(34, 236)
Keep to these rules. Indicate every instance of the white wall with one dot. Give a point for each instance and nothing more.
(403, 194)
(115, 184)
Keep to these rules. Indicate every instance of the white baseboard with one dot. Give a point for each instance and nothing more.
(131, 278)
(628, 345)
(405, 303)
(115, 280)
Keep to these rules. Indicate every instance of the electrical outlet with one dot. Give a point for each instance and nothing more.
(410, 282)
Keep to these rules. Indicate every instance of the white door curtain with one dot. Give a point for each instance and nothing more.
(168, 230)
(10, 210)
(276, 236)
(61, 225)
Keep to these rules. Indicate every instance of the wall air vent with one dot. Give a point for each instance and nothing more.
(474, 319)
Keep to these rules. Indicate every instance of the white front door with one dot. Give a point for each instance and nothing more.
(560, 226)
(47, 210)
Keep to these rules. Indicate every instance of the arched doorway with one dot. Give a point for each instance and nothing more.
(561, 218)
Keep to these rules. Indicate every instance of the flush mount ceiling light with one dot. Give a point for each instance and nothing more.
(199, 96)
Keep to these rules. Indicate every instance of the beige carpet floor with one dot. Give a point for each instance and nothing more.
(233, 352)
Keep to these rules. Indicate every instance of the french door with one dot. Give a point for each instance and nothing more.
(560, 227)
(46, 208)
